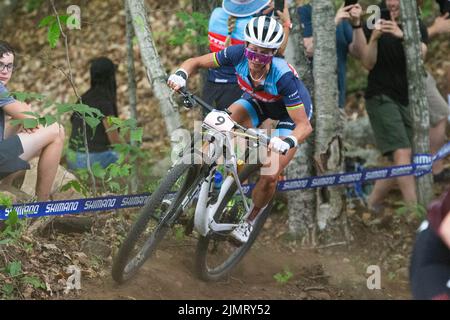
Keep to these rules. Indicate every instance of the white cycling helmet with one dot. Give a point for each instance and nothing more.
(264, 32)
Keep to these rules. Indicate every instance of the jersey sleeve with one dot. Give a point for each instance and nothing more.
(5, 98)
(230, 56)
(291, 89)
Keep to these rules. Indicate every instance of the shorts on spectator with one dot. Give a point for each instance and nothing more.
(104, 158)
(438, 106)
(391, 124)
(10, 150)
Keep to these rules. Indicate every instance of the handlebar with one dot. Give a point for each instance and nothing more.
(190, 100)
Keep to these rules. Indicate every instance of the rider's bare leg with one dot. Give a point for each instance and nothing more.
(266, 186)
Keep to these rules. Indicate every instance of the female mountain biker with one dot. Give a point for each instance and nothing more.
(271, 90)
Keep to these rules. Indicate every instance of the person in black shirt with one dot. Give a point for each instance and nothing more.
(101, 95)
(387, 99)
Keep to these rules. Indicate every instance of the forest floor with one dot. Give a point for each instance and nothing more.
(334, 272)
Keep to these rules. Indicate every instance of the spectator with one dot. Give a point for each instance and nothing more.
(387, 100)
(101, 95)
(439, 109)
(430, 261)
(226, 27)
(19, 145)
(349, 39)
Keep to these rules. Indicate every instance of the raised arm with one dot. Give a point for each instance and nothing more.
(189, 67)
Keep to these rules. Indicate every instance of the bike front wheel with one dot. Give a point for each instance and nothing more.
(217, 254)
(157, 217)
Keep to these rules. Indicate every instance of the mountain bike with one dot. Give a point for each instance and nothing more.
(189, 183)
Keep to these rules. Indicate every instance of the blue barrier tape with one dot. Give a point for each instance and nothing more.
(421, 165)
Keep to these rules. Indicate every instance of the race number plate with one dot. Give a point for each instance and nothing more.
(219, 120)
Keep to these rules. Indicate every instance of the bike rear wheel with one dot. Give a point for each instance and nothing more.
(216, 254)
(157, 217)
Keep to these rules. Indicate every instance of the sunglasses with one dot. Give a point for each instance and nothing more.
(260, 57)
(8, 67)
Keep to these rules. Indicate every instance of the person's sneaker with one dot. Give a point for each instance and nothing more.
(242, 232)
(443, 176)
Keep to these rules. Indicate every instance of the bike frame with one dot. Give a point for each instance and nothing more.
(204, 221)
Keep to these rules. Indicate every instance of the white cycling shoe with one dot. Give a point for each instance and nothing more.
(242, 232)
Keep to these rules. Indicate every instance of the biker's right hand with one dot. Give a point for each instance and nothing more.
(178, 79)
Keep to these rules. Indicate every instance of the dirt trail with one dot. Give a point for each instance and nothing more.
(327, 274)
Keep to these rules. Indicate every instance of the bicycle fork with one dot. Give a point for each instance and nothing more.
(204, 213)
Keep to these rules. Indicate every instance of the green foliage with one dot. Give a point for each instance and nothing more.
(16, 278)
(194, 30)
(417, 209)
(179, 232)
(53, 28)
(283, 277)
(14, 226)
(77, 186)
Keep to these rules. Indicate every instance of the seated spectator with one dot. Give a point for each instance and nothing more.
(349, 39)
(387, 102)
(101, 95)
(19, 145)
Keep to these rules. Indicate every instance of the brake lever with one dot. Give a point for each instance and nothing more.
(188, 101)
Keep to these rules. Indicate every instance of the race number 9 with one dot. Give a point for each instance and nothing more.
(219, 120)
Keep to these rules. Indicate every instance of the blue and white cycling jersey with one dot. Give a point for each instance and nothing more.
(282, 89)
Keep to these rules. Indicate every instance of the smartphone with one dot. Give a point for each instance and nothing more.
(385, 14)
(350, 2)
(279, 5)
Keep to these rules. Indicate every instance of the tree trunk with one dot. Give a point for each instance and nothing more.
(416, 92)
(301, 204)
(205, 7)
(155, 72)
(330, 214)
(131, 85)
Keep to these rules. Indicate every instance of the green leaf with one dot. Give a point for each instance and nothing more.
(5, 201)
(98, 170)
(49, 119)
(30, 123)
(46, 21)
(114, 186)
(14, 268)
(92, 122)
(8, 289)
(63, 19)
(136, 134)
(114, 170)
(64, 107)
(6, 241)
(21, 96)
(53, 34)
(34, 281)
(71, 184)
(13, 218)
